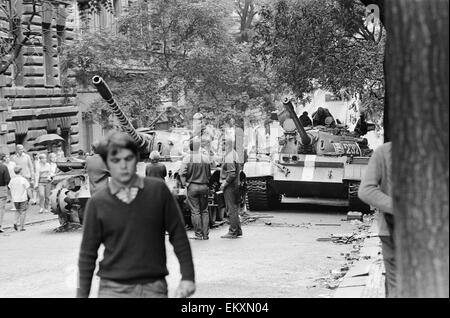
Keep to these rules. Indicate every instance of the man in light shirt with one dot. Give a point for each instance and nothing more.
(20, 194)
(375, 190)
(24, 161)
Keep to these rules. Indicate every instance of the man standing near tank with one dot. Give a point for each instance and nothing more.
(155, 168)
(229, 176)
(96, 169)
(195, 174)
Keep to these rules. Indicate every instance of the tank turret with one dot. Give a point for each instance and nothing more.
(305, 138)
(144, 141)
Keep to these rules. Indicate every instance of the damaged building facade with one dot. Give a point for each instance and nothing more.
(37, 94)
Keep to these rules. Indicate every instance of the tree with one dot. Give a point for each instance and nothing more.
(417, 50)
(246, 10)
(312, 44)
(185, 49)
(14, 38)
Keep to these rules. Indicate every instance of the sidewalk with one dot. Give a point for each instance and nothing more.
(365, 279)
(33, 216)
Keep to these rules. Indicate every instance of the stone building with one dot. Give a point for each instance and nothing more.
(36, 92)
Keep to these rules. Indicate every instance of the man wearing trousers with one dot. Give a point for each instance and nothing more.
(375, 190)
(195, 173)
(229, 176)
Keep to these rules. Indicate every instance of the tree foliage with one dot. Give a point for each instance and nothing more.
(15, 37)
(166, 49)
(311, 44)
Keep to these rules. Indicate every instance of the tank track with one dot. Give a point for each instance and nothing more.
(354, 203)
(259, 195)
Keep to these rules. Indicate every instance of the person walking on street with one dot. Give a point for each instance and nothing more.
(24, 161)
(155, 168)
(43, 177)
(4, 181)
(195, 174)
(130, 217)
(20, 193)
(96, 169)
(375, 190)
(229, 176)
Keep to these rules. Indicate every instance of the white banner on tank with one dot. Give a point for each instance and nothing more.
(308, 169)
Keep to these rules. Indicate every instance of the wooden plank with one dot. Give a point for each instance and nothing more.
(361, 268)
(354, 281)
(18, 103)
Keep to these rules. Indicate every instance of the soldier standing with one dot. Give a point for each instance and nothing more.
(195, 173)
(229, 176)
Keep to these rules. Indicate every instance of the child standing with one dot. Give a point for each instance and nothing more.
(20, 194)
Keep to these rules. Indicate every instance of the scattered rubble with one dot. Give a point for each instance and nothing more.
(353, 215)
(303, 225)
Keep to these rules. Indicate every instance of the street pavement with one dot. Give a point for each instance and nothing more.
(33, 216)
(278, 256)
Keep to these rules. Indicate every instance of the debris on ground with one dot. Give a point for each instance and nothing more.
(354, 215)
(356, 238)
(303, 225)
(247, 218)
(327, 224)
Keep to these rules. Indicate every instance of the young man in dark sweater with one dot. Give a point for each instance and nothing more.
(130, 217)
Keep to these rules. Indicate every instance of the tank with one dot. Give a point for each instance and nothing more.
(69, 194)
(318, 165)
(71, 186)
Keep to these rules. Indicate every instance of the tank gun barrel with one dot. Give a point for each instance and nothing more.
(306, 139)
(105, 92)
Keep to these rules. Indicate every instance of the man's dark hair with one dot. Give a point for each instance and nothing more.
(115, 141)
(305, 113)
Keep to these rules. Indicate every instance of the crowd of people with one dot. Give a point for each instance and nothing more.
(26, 180)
